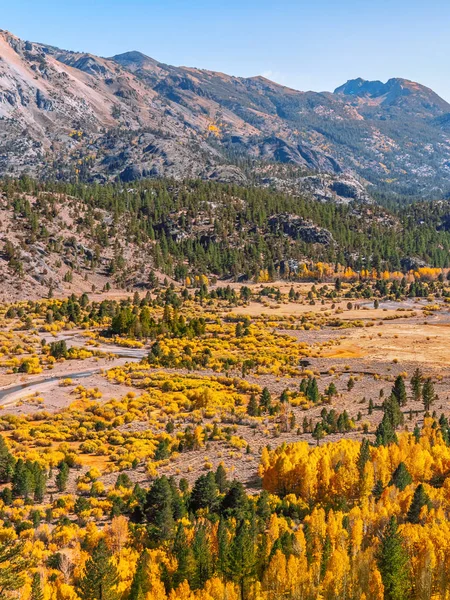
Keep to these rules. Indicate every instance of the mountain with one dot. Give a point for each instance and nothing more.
(86, 237)
(75, 115)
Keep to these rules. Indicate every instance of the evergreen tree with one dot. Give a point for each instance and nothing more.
(319, 432)
(7, 462)
(393, 564)
(392, 411)
(221, 479)
(420, 499)
(416, 384)
(312, 391)
(326, 555)
(241, 563)
(265, 400)
(158, 510)
(401, 477)
(399, 391)
(428, 394)
(378, 489)
(140, 585)
(385, 433)
(252, 406)
(393, 416)
(416, 434)
(100, 578)
(62, 476)
(184, 554)
(363, 458)
(36, 588)
(23, 480)
(204, 493)
(235, 502)
(203, 557)
(13, 565)
(223, 546)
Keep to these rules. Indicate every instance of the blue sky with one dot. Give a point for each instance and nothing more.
(314, 45)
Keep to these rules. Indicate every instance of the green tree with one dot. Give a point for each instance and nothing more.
(428, 394)
(140, 585)
(221, 479)
(158, 510)
(265, 400)
(241, 560)
(205, 493)
(399, 391)
(319, 432)
(401, 477)
(184, 554)
(203, 557)
(393, 563)
(7, 462)
(62, 477)
(101, 578)
(13, 566)
(312, 390)
(416, 384)
(420, 499)
(36, 588)
(235, 502)
(252, 406)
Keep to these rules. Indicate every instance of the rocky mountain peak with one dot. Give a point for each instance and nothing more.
(135, 60)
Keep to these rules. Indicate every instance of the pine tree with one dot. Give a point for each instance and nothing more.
(363, 458)
(399, 391)
(393, 564)
(7, 462)
(319, 432)
(312, 391)
(420, 499)
(23, 480)
(203, 558)
(235, 502)
(221, 479)
(62, 477)
(265, 400)
(204, 493)
(428, 394)
(36, 588)
(241, 563)
(392, 411)
(378, 489)
(401, 477)
(140, 585)
(222, 546)
(158, 510)
(14, 562)
(416, 384)
(252, 406)
(184, 554)
(101, 578)
(326, 555)
(385, 433)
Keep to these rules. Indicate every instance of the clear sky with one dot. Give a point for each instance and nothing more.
(308, 45)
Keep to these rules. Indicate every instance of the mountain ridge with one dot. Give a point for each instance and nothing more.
(76, 115)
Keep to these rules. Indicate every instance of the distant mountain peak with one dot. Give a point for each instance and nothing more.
(66, 114)
(134, 60)
(362, 87)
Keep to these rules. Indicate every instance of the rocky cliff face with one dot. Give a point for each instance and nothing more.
(68, 114)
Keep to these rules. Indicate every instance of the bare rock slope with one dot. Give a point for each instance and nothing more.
(69, 114)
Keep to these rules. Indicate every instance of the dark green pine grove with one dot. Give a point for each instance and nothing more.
(225, 230)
